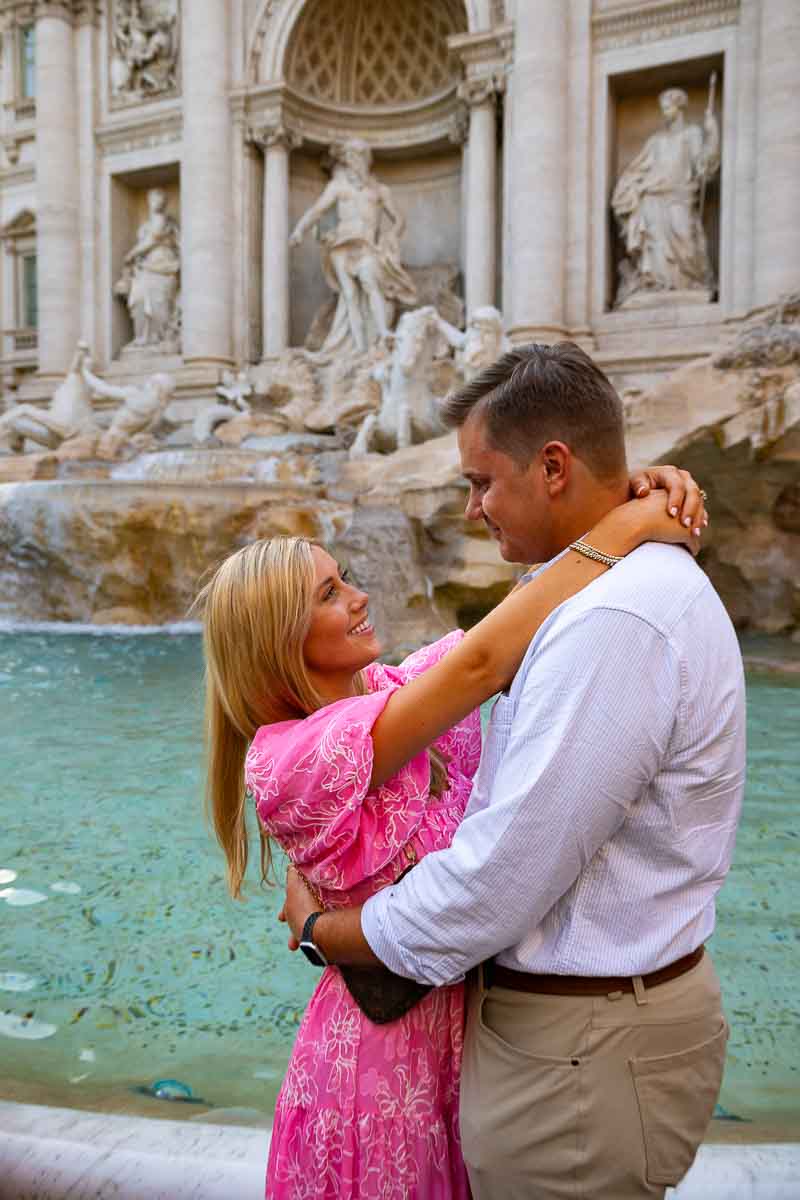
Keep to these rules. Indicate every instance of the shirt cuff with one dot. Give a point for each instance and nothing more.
(376, 925)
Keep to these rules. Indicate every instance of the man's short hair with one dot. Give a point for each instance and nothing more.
(536, 394)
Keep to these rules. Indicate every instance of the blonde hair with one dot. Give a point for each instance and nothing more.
(257, 610)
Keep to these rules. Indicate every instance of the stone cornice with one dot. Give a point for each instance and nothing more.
(632, 24)
(484, 51)
(119, 137)
(276, 104)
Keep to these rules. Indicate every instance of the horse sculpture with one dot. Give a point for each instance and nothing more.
(409, 410)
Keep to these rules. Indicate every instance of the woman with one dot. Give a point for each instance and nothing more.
(358, 770)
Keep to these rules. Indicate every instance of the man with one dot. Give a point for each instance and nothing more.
(600, 827)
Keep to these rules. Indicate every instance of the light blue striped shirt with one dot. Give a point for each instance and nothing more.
(603, 814)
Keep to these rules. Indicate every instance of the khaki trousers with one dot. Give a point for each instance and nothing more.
(590, 1098)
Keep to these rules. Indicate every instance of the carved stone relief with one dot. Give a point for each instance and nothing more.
(144, 50)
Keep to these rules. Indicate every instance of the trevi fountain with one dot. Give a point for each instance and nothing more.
(249, 247)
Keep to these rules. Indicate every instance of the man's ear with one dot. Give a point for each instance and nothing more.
(556, 460)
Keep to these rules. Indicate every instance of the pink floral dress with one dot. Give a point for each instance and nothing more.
(367, 1111)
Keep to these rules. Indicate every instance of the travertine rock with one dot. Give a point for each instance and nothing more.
(743, 445)
(20, 468)
(132, 548)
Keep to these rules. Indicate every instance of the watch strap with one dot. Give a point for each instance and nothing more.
(307, 943)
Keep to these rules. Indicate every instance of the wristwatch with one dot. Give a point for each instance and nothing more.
(308, 945)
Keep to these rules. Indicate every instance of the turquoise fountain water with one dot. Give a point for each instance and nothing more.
(124, 965)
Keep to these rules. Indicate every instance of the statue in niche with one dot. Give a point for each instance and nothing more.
(69, 414)
(409, 410)
(145, 51)
(361, 252)
(234, 391)
(142, 405)
(150, 279)
(658, 201)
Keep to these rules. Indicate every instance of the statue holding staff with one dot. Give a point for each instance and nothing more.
(656, 203)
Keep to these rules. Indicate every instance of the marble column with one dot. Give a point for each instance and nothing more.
(206, 208)
(538, 172)
(88, 86)
(481, 191)
(277, 145)
(458, 136)
(777, 215)
(57, 189)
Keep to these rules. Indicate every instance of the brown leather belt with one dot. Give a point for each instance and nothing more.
(583, 985)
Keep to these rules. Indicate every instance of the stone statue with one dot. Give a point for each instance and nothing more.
(657, 204)
(149, 282)
(142, 405)
(482, 342)
(409, 409)
(234, 391)
(69, 415)
(361, 253)
(145, 51)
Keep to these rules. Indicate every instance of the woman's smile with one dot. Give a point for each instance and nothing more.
(363, 627)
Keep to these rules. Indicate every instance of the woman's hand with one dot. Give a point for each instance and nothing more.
(684, 496)
(638, 521)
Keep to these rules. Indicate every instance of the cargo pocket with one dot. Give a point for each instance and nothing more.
(676, 1094)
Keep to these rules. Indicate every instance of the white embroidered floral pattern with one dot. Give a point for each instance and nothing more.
(365, 1112)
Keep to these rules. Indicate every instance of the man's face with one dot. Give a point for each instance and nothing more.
(512, 502)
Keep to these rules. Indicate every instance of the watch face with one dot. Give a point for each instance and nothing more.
(312, 954)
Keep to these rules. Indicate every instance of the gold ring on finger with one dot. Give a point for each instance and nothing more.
(703, 494)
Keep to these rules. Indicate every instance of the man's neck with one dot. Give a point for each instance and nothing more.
(579, 518)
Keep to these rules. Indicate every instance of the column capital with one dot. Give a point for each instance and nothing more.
(483, 88)
(63, 10)
(25, 12)
(268, 136)
(88, 12)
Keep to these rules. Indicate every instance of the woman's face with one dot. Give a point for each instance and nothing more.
(340, 640)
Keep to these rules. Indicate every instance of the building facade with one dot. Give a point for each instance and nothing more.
(156, 155)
